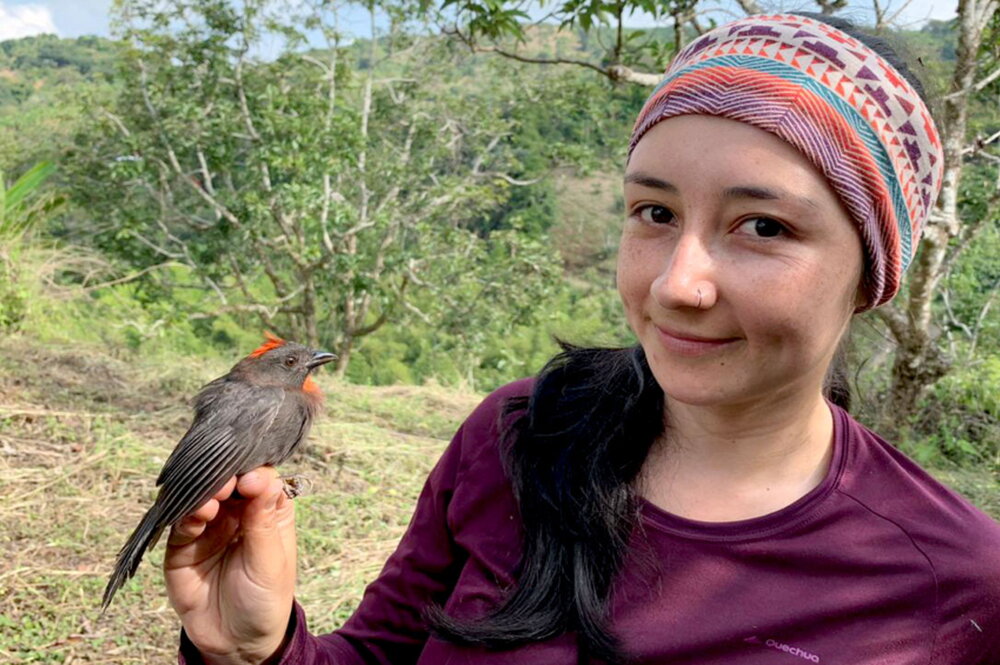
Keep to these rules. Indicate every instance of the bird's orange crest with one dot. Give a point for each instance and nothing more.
(273, 342)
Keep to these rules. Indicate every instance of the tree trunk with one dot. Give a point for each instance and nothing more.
(309, 314)
(914, 369)
(919, 361)
(343, 356)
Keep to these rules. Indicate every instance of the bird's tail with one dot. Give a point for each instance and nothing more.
(144, 537)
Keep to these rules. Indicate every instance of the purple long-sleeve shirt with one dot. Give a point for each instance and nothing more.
(879, 564)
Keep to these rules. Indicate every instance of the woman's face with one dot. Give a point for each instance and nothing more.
(739, 268)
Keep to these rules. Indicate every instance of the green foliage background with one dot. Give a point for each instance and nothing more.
(542, 237)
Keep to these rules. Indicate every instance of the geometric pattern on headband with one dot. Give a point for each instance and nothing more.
(894, 137)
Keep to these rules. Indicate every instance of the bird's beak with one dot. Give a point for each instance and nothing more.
(320, 358)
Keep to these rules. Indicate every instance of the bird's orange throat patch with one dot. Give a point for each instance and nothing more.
(311, 388)
(272, 342)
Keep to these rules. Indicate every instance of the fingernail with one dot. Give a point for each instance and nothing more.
(252, 477)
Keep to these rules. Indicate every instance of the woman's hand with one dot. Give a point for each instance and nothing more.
(230, 570)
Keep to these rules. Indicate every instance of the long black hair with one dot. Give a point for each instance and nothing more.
(573, 450)
(572, 454)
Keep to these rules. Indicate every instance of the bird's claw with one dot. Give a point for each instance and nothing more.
(296, 486)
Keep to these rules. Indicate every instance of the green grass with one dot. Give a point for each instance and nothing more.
(83, 434)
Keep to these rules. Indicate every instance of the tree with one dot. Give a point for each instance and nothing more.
(920, 357)
(317, 189)
(490, 26)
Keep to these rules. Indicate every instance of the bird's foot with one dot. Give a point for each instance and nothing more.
(296, 485)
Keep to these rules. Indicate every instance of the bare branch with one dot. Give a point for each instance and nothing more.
(476, 48)
(382, 319)
(206, 175)
(258, 308)
(976, 87)
(241, 91)
(507, 178)
(87, 288)
(883, 18)
(950, 314)
(623, 73)
(156, 248)
(750, 7)
(894, 320)
(324, 215)
(117, 122)
(413, 309)
(984, 310)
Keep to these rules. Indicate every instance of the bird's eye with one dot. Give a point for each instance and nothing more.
(290, 361)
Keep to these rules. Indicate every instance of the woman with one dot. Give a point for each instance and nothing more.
(695, 499)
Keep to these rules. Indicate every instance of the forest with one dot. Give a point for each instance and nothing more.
(433, 193)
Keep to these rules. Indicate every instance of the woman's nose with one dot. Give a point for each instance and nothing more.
(688, 276)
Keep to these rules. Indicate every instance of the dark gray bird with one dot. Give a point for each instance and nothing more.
(256, 414)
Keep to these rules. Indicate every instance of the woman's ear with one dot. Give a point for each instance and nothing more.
(861, 299)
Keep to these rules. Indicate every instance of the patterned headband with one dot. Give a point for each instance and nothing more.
(835, 100)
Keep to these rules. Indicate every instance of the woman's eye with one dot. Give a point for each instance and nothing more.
(763, 227)
(654, 214)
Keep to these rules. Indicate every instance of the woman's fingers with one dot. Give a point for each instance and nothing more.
(206, 513)
(193, 542)
(256, 482)
(257, 501)
(187, 530)
(227, 490)
(193, 525)
(252, 485)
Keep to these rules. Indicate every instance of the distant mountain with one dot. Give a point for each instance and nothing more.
(32, 64)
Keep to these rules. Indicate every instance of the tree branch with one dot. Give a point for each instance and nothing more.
(750, 7)
(894, 320)
(613, 72)
(976, 87)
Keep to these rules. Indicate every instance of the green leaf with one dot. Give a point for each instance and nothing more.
(26, 184)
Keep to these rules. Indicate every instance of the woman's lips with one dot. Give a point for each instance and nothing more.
(687, 344)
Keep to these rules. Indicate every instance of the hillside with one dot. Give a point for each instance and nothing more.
(48, 86)
(31, 65)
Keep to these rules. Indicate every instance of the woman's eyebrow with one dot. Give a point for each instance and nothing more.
(766, 194)
(645, 180)
(738, 192)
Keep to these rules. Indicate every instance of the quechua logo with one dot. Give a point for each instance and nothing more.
(781, 646)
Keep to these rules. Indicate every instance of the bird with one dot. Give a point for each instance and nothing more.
(257, 414)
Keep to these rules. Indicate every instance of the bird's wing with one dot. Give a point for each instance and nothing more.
(221, 406)
(215, 447)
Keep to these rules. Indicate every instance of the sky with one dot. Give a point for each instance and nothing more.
(73, 18)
